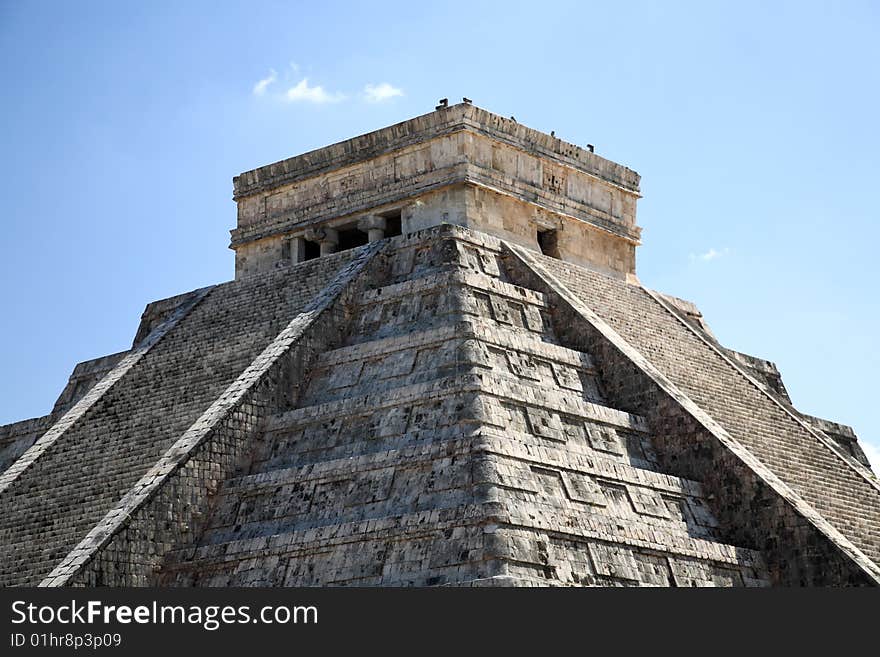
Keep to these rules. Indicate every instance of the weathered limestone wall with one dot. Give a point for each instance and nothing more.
(439, 162)
(842, 434)
(509, 218)
(83, 378)
(155, 313)
(16, 438)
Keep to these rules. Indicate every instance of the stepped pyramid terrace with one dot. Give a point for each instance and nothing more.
(435, 366)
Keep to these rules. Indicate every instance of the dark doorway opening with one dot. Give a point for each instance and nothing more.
(311, 251)
(548, 243)
(392, 224)
(350, 239)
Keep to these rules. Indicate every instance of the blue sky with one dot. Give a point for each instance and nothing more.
(754, 126)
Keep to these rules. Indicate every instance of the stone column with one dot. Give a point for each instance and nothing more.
(297, 249)
(328, 238)
(374, 226)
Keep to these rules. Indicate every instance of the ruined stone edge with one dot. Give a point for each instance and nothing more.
(455, 119)
(827, 442)
(79, 409)
(459, 174)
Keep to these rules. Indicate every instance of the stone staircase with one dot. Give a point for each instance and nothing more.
(453, 440)
(846, 496)
(66, 485)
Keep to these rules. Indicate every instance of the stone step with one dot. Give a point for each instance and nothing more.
(467, 327)
(452, 277)
(455, 357)
(619, 460)
(328, 535)
(445, 297)
(328, 446)
(414, 258)
(418, 550)
(301, 544)
(445, 351)
(498, 393)
(477, 397)
(593, 445)
(281, 498)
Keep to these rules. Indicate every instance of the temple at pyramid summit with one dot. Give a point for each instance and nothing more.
(435, 366)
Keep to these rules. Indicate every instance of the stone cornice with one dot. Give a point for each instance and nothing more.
(462, 117)
(425, 183)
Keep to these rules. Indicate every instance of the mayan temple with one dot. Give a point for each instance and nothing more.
(435, 366)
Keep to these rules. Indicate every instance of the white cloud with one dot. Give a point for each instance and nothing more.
(710, 255)
(303, 92)
(873, 454)
(381, 92)
(260, 87)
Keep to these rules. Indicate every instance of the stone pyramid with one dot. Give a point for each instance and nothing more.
(436, 366)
